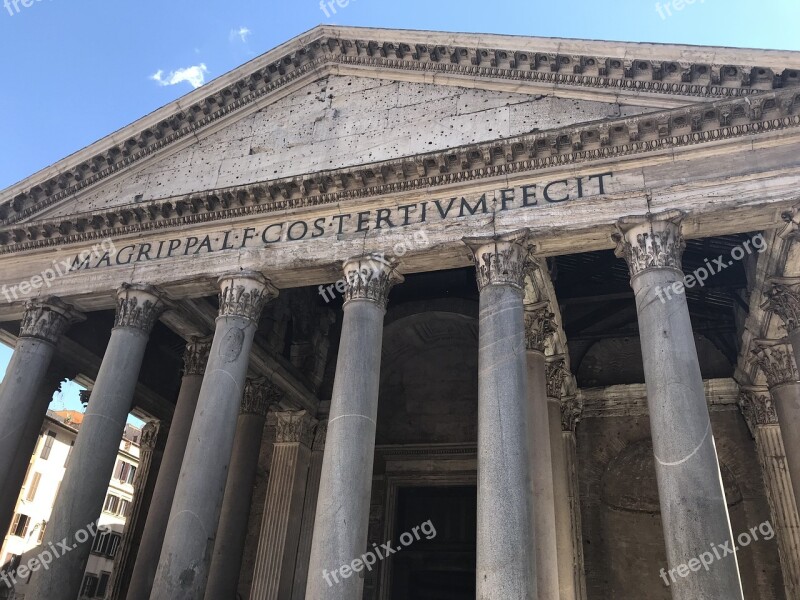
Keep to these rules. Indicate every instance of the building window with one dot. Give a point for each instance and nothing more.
(48, 445)
(112, 504)
(124, 506)
(124, 471)
(106, 543)
(131, 474)
(89, 587)
(102, 585)
(19, 526)
(33, 485)
(113, 544)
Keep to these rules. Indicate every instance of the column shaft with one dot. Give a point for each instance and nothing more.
(309, 512)
(538, 327)
(23, 402)
(575, 512)
(144, 569)
(505, 545)
(27, 445)
(83, 489)
(568, 512)
(189, 539)
(342, 516)
(693, 508)
(223, 575)
(563, 516)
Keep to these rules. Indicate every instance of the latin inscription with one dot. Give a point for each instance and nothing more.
(428, 211)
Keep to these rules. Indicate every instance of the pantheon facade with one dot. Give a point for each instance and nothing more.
(419, 315)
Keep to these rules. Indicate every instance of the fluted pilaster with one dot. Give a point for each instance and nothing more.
(762, 418)
(280, 530)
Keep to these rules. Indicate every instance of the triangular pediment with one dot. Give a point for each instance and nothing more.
(335, 123)
(338, 97)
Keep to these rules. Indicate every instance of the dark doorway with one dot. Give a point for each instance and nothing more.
(442, 567)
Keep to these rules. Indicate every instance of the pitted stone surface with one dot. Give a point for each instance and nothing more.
(343, 121)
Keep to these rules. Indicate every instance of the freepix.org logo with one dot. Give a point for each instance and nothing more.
(13, 6)
(102, 253)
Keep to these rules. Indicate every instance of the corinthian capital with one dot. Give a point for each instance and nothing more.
(776, 360)
(195, 357)
(783, 298)
(244, 294)
(370, 278)
(571, 411)
(139, 307)
(757, 408)
(47, 319)
(295, 427)
(259, 396)
(650, 241)
(539, 326)
(500, 259)
(556, 372)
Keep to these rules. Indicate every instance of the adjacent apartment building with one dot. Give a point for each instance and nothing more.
(38, 494)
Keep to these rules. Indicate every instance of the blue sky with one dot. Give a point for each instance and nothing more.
(67, 398)
(73, 71)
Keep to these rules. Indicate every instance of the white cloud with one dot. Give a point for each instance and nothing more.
(240, 33)
(194, 76)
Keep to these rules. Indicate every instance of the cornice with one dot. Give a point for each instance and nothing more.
(629, 136)
(660, 70)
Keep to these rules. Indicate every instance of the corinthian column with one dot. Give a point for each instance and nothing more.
(83, 489)
(693, 509)
(189, 539)
(777, 361)
(342, 517)
(759, 412)
(21, 402)
(539, 326)
(144, 569)
(505, 544)
(223, 577)
(568, 513)
(283, 507)
(556, 373)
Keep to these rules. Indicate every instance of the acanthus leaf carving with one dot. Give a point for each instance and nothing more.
(652, 241)
(244, 295)
(139, 307)
(47, 319)
(500, 259)
(370, 278)
(295, 427)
